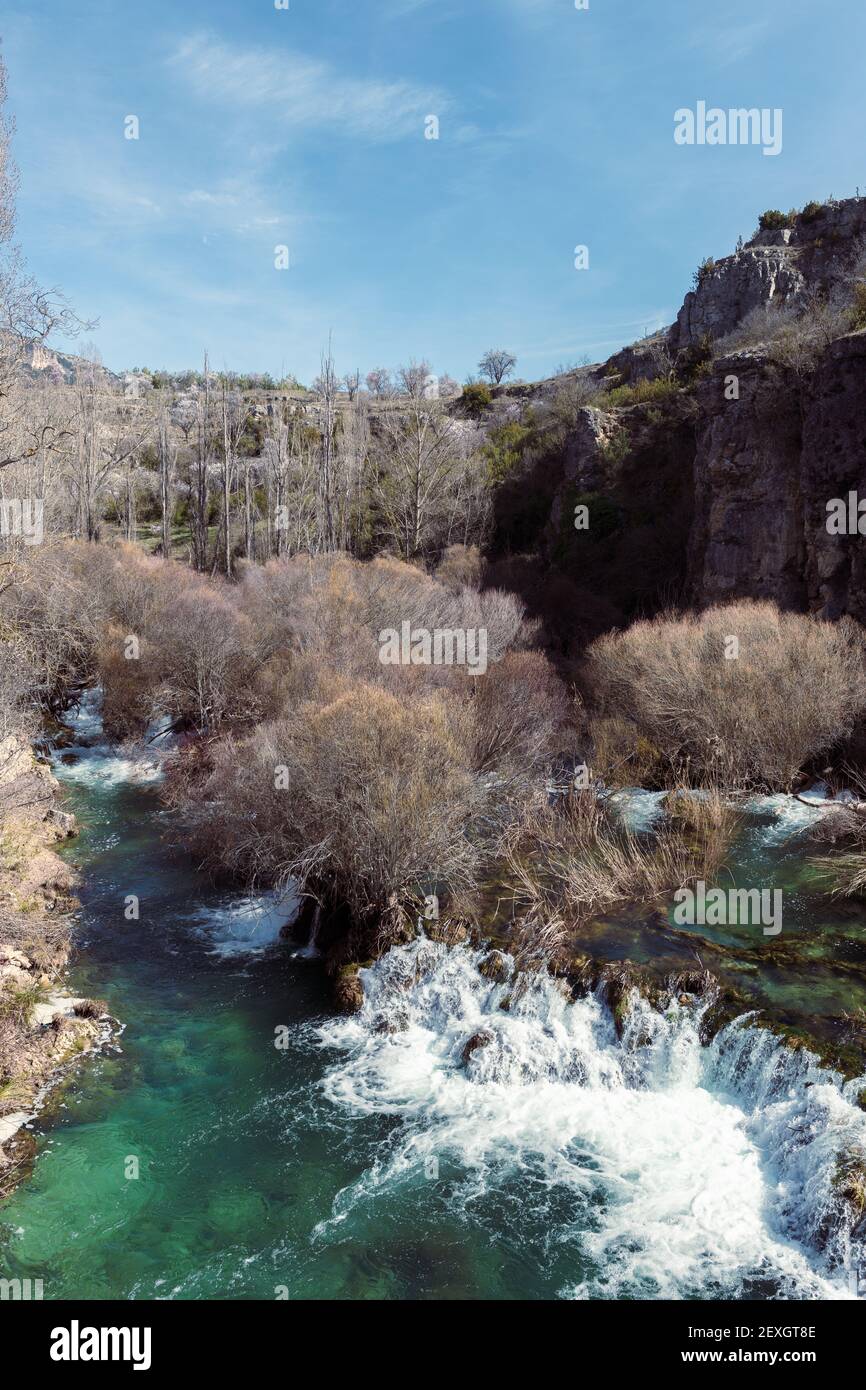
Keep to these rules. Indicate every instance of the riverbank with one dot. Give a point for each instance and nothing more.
(44, 1028)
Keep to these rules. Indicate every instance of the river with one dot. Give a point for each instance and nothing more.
(240, 1142)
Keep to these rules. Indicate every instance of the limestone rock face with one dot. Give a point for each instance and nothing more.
(765, 468)
(781, 265)
(833, 464)
(732, 288)
(747, 534)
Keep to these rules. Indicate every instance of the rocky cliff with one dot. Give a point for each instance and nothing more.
(728, 436)
(765, 468)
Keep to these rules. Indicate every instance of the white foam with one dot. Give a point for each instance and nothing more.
(639, 809)
(95, 762)
(695, 1169)
(248, 925)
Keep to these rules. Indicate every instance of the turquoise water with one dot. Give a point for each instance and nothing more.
(240, 1157)
(365, 1159)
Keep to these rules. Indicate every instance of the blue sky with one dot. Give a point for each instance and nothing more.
(262, 127)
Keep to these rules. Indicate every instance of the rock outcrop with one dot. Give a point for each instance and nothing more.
(731, 467)
(766, 466)
(42, 1026)
(731, 288)
(783, 265)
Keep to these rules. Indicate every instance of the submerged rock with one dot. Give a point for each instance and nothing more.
(349, 990)
(482, 1038)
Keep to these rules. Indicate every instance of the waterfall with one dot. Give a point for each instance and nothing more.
(673, 1169)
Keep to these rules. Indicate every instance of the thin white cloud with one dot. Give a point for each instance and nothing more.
(729, 43)
(293, 90)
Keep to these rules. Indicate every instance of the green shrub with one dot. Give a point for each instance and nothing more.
(476, 398)
(617, 449)
(811, 212)
(641, 393)
(858, 311)
(706, 267)
(772, 220)
(504, 449)
(694, 361)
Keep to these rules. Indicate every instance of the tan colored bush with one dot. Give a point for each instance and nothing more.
(54, 610)
(795, 689)
(128, 685)
(843, 875)
(707, 821)
(207, 658)
(379, 801)
(460, 568)
(521, 716)
(573, 860)
(624, 757)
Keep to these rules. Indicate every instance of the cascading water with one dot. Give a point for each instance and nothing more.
(676, 1170)
(484, 1138)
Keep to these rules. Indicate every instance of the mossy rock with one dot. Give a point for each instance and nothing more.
(349, 988)
(494, 967)
(849, 1183)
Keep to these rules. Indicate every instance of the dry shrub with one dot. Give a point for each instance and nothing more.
(574, 860)
(379, 801)
(44, 937)
(17, 678)
(844, 875)
(460, 568)
(334, 609)
(206, 658)
(623, 757)
(795, 690)
(706, 820)
(521, 715)
(54, 611)
(127, 684)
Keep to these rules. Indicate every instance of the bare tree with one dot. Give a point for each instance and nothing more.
(379, 383)
(109, 435)
(496, 365)
(276, 454)
(200, 470)
(417, 457)
(167, 449)
(232, 418)
(352, 453)
(28, 314)
(327, 386)
(352, 383)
